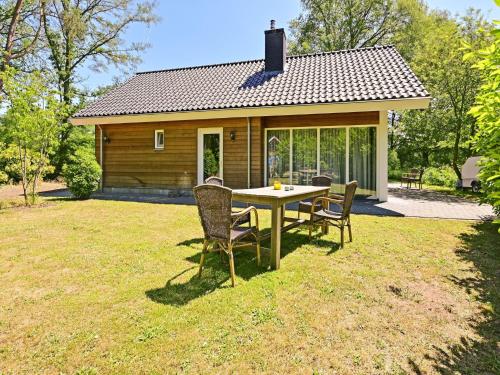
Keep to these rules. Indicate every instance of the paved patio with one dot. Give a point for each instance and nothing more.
(424, 203)
(402, 202)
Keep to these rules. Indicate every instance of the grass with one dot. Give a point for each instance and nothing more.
(110, 287)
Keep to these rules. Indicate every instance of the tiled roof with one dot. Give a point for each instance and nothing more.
(376, 73)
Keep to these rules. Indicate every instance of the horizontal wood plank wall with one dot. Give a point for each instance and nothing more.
(331, 119)
(257, 153)
(130, 159)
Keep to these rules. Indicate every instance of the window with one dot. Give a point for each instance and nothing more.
(304, 156)
(332, 156)
(159, 140)
(363, 159)
(278, 156)
(343, 153)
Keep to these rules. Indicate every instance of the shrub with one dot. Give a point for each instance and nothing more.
(4, 178)
(442, 176)
(394, 165)
(82, 174)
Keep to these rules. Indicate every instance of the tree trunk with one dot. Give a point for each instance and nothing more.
(24, 177)
(425, 158)
(9, 42)
(391, 140)
(456, 145)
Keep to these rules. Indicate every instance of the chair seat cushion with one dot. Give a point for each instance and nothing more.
(305, 206)
(242, 219)
(327, 214)
(241, 232)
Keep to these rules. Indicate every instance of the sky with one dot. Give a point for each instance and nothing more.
(200, 32)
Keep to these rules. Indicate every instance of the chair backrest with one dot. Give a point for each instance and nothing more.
(215, 181)
(214, 208)
(350, 190)
(321, 181)
(415, 171)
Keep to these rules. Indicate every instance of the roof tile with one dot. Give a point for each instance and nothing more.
(373, 73)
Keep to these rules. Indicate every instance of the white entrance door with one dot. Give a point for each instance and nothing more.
(210, 153)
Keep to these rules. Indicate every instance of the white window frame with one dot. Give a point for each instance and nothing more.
(201, 133)
(159, 147)
(318, 161)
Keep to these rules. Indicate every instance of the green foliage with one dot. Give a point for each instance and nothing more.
(441, 135)
(394, 165)
(328, 25)
(487, 113)
(210, 163)
(4, 178)
(30, 128)
(89, 34)
(442, 176)
(82, 174)
(393, 160)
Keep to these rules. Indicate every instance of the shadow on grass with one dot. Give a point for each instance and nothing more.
(481, 356)
(216, 271)
(215, 274)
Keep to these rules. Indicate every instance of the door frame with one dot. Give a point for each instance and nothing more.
(199, 158)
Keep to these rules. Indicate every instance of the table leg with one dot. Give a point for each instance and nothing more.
(276, 235)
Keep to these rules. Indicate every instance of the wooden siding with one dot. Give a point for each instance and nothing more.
(331, 119)
(130, 159)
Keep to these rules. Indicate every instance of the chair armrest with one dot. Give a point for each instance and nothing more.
(339, 202)
(336, 196)
(237, 215)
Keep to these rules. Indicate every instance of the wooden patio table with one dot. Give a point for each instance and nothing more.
(277, 200)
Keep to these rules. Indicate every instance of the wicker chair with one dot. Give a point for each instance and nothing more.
(305, 206)
(338, 219)
(246, 219)
(220, 224)
(214, 181)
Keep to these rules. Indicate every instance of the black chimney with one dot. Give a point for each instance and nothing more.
(275, 49)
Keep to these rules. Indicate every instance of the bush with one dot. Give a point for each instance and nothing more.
(4, 178)
(442, 176)
(394, 165)
(82, 174)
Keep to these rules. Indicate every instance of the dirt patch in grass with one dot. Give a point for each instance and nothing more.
(11, 192)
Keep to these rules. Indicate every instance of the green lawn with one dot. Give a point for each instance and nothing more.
(110, 287)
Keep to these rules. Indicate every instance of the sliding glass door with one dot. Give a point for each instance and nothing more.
(278, 156)
(294, 156)
(304, 153)
(332, 156)
(363, 159)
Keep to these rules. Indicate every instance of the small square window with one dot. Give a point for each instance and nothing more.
(159, 140)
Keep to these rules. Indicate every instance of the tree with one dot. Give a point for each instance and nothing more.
(422, 135)
(20, 29)
(328, 25)
(487, 112)
(439, 63)
(89, 34)
(30, 128)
